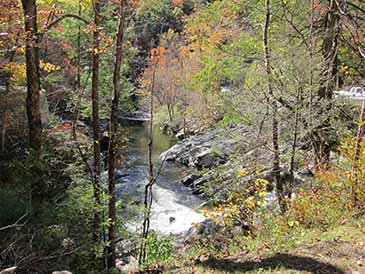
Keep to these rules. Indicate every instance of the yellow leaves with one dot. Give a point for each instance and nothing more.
(250, 202)
(20, 50)
(291, 223)
(48, 67)
(242, 173)
(360, 123)
(18, 72)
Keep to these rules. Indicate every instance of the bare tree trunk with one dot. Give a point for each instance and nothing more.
(148, 195)
(273, 104)
(355, 165)
(311, 79)
(95, 123)
(295, 136)
(113, 141)
(33, 76)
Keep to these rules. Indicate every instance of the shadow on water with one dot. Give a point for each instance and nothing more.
(288, 261)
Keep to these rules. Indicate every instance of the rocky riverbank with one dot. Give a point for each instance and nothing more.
(218, 155)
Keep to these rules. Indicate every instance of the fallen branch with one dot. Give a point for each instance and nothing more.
(16, 224)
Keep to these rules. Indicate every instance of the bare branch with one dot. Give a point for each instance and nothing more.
(16, 224)
(62, 17)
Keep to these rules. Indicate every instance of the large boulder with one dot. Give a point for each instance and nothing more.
(205, 150)
(208, 158)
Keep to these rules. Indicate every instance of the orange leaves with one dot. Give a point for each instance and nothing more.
(157, 55)
(177, 3)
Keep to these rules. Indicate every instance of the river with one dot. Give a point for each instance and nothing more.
(175, 208)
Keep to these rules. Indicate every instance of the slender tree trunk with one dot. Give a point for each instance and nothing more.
(113, 141)
(298, 106)
(95, 123)
(148, 195)
(33, 76)
(274, 107)
(78, 78)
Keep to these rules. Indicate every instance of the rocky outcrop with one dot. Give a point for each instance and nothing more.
(205, 150)
(212, 153)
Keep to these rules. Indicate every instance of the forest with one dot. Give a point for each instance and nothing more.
(182, 136)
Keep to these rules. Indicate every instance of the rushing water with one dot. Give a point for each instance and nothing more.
(174, 208)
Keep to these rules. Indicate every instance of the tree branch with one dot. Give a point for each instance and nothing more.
(64, 16)
(16, 224)
(356, 7)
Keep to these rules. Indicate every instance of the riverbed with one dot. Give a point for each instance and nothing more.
(174, 208)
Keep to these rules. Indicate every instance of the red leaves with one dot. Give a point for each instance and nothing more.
(63, 128)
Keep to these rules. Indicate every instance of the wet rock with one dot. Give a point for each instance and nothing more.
(172, 220)
(180, 135)
(190, 179)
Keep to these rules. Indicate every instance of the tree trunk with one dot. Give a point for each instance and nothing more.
(148, 194)
(33, 77)
(95, 123)
(273, 104)
(113, 141)
(321, 145)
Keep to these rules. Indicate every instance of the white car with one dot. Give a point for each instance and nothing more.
(355, 93)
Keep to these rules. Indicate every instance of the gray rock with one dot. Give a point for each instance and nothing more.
(206, 229)
(132, 266)
(62, 272)
(190, 179)
(126, 247)
(204, 150)
(197, 185)
(209, 158)
(180, 135)
(172, 220)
